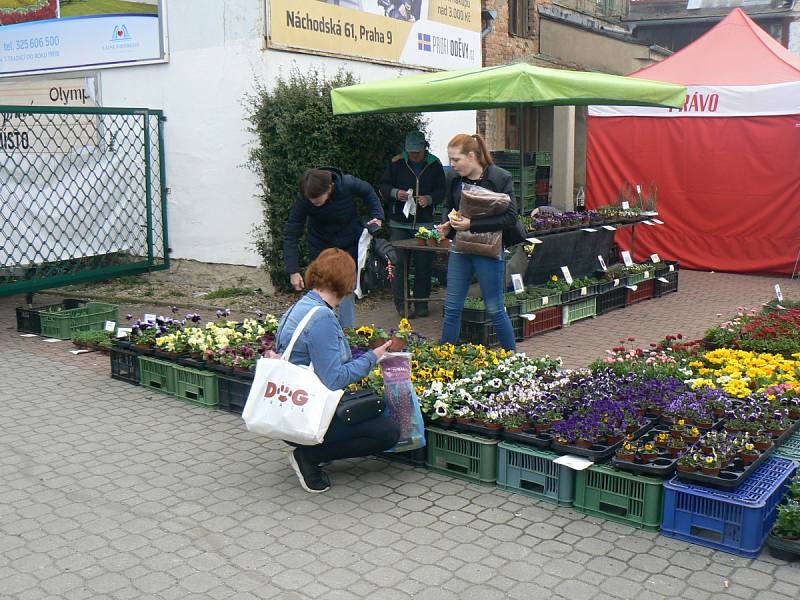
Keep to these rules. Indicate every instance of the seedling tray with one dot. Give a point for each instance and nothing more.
(730, 477)
(531, 304)
(579, 293)
(598, 452)
(663, 466)
(473, 427)
(529, 437)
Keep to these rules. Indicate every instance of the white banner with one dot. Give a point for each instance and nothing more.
(719, 101)
(79, 42)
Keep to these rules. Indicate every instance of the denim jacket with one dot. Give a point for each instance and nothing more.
(322, 344)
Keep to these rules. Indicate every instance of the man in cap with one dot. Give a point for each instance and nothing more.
(418, 176)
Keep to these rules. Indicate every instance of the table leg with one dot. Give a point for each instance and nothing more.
(633, 241)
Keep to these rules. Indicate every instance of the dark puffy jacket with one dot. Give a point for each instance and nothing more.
(335, 224)
(400, 176)
(494, 179)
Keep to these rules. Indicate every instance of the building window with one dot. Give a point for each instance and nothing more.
(518, 17)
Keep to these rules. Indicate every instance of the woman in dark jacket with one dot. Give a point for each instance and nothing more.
(323, 344)
(473, 164)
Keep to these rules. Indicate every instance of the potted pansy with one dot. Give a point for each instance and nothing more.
(422, 235)
(515, 422)
(676, 446)
(400, 336)
(710, 464)
(648, 452)
(688, 462)
(627, 452)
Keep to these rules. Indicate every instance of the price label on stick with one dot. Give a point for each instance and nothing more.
(626, 258)
(609, 228)
(658, 221)
(616, 283)
(123, 331)
(647, 274)
(529, 316)
(778, 293)
(533, 240)
(655, 258)
(567, 275)
(150, 318)
(545, 300)
(516, 281)
(671, 268)
(602, 262)
(626, 205)
(110, 325)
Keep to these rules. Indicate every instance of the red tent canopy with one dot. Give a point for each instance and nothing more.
(725, 165)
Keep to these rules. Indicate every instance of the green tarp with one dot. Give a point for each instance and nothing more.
(503, 86)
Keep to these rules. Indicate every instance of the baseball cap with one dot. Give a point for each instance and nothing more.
(415, 141)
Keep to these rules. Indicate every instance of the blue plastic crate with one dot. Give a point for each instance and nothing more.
(533, 473)
(737, 521)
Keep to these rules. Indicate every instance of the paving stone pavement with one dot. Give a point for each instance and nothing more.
(111, 491)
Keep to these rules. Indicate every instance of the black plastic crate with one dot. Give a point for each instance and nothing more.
(485, 334)
(611, 300)
(124, 365)
(660, 287)
(232, 393)
(29, 319)
(415, 458)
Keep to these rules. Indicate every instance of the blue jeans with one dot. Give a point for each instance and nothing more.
(347, 311)
(489, 272)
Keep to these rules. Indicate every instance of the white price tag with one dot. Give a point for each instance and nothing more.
(626, 205)
(51, 341)
(584, 291)
(778, 293)
(655, 258)
(671, 268)
(516, 280)
(123, 331)
(616, 283)
(658, 221)
(110, 325)
(567, 275)
(78, 351)
(533, 240)
(626, 258)
(576, 463)
(150, 318)
(649, 223)
(602, 262)
(638, 190)
(663, 280)
(28, 335)
(609, 227)
(529, 316)
(545, 300)
(589, 229)
(647, 274)
(633, 287)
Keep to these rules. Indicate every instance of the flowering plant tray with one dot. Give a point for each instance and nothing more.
(599, 451)
(730, 476)
(529, 437)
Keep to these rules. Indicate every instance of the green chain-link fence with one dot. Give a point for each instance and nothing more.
(82, 195)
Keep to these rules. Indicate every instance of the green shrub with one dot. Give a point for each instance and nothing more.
(297, 130)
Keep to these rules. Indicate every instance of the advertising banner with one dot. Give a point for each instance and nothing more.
(53, 35)
(442, 34)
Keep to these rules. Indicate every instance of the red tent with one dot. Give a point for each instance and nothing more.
(726, 165)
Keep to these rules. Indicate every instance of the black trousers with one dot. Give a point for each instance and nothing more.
(351, 441)
(423, 266)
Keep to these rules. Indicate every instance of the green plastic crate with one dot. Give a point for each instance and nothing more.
(462, 455)
(582, 309)
(606, 492)
(195, 386)
(543, 159)
(790, 448)
(532, 472)
(61, 324)
(531, 304)
(157, 374)
(635, 278)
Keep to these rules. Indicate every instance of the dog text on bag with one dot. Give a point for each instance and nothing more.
(284, 393)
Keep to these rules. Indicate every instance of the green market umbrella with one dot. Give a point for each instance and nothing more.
(502, 86)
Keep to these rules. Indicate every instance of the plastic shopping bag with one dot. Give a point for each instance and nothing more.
(289, 402)
(402, 405)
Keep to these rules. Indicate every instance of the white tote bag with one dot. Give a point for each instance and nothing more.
(289, 402)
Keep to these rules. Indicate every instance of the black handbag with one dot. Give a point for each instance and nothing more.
(360, 406)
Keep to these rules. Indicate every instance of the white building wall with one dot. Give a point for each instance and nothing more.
(216, 54)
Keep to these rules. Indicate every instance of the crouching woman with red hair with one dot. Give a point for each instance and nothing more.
(331, 277)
